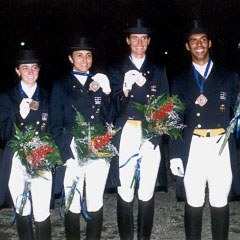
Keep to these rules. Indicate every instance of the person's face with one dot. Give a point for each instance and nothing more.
(138, 44)
(28, 73)
(198, 45)
(81, 60)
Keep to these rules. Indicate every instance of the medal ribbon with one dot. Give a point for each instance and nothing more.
(201, 85)
(23, 94)
(82, 74)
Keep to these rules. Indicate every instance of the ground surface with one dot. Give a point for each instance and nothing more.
(168, 220)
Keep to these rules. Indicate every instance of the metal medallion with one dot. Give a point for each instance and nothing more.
(34, 105)
(201, 100)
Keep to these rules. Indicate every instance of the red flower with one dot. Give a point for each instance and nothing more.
(39, 155)
(100, 141)
(162, 112)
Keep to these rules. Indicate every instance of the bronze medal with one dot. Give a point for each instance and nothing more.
(94, 86)
(201, 100)
(140, 80)
(34, 105)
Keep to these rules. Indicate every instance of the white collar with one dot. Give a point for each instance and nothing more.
(29, 90)
(138, 62)
(81, 79)
(201, 68)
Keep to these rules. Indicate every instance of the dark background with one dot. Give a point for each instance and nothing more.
(48, 23)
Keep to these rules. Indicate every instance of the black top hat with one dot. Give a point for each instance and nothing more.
(138, 26)
(80, 43)
(25, 56)
(197, 27)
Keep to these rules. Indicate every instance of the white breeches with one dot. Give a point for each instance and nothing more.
(205, 166)
(131, 140)
(41, 188)
(94, 174)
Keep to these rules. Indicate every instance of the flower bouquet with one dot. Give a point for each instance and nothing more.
(231, 127)
(161, 116)
(38, 153)
(93, 140)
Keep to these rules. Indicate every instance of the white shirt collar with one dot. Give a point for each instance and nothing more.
(138, 62)
(81, 79)
(29, 91)
(201, 69)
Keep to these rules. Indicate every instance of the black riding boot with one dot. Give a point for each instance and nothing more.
(24, 227)
(125, 219)
(72, 226)
(94, 225)
(43, 230)
(145, 218)
(220, 222)
(193, 222)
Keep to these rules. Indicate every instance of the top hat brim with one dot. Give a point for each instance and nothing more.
(22, 61)
(79, 48)
(138, 30)
(198, 31)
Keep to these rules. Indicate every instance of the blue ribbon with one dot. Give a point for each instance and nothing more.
(236, 122)
(201, 85)
(138, 170)
(136, 177)
(73, 190)
(25, 196)
(13, 218)
(238, 127)
(134, 155)
(84, 212)
(82, 73)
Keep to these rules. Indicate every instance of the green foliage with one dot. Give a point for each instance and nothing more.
(85, 135)
(26, 143)
(161, 116)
